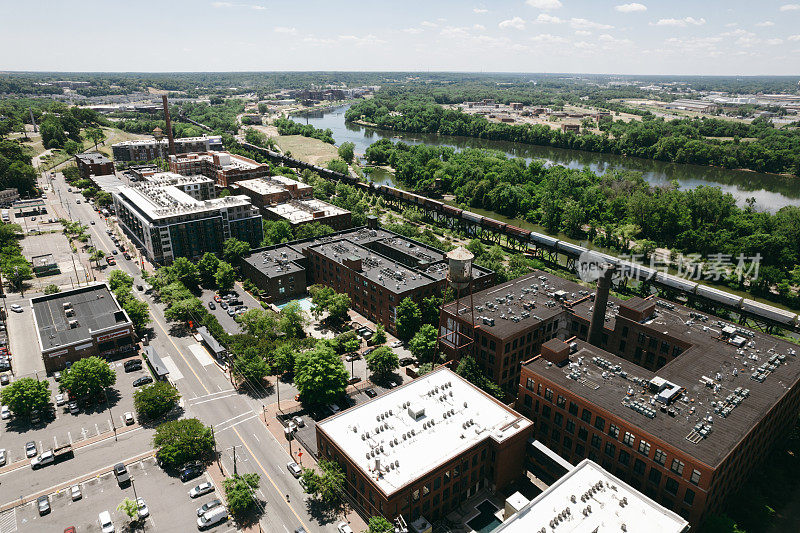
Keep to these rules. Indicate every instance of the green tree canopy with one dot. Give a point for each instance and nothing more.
(240, 493)
(225, 276)
(251, 367)
(185, 271)
(337, 165)
(233, 249)
(408, 320)
(424, 344)
(347, 151)
(87, 378)
(326, 485)
(156, 400)
(118, 279)
(382, 362)
(184, 310)
(469, 370)
(207, 268)
(378, 524)
(380, 334)
(181, 441)
(319, 375)
(26, 395)
(292, 320)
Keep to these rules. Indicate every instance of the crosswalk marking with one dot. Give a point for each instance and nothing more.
(174, 373)
(8, 521)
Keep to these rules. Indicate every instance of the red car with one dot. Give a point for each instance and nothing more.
(217, 298)
(70, 529)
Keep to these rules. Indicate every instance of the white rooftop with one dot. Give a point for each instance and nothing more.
(413, 429)
(160, 201)
(298, 211)
(271, 184)
(139, 142)
(587, 499)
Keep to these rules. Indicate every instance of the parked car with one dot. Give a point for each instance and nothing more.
(5, 412)
(91, 222)
(369, 350)
(201, 489)
(294, 469)
(299, 421)
(4, 379)
(212, 518)
(76, 493)
(133, 365)
(56, 455)
(3, 456)
(396, 344)
(352, 357)
(206, 507)
(343, 527)
(57, 376)
(370, 392)
(106, 525)
(223, 305)
(144, 380)
(30, 449)
(211, 305)
(16, 308)
(334, 408)
(128, 418)
(405, 361)
(121, 474)
(73, 407)
(43, 502)
(114, 251)
(231, 312)
(144, 511)
(191, 471)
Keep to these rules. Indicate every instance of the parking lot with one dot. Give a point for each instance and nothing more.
(68, 428)
(69, 264)
(171, 508)
(226, 321)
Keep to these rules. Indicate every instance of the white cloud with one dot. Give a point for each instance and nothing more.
(793, 37)
(765, 24)
(428, 24)
(790, 7)
(584, 24)
(610, 40)
(284, 29)
(582, 33)
(547, 38)
(479, 27)
(480, 10)
(774, 42)
(516, 23)
(230, 4)
(631, 8)
(731, 24)
(412, 31)
(681, 23)
(544, 4)
(455, 31)
(221, 4)
(259, 8)
(544, 18)
(361, 41)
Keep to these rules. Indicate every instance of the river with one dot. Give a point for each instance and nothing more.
(770, 191)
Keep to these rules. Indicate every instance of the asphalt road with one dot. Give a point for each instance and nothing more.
(207, 395)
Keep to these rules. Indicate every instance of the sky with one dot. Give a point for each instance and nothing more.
(680, 37)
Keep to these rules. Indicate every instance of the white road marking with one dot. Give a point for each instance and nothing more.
(8, 521)
(203, 357)
(69, 434)
(257, 439)
(213, 399)
(174, 373)
(234, 418)
(239, 422)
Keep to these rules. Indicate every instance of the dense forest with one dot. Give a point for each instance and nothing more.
(680, 140)
(610, 210)
(290, 127)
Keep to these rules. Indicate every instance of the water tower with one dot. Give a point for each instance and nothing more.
(458, 334)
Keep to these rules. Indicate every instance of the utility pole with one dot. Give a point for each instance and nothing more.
(113, 425)
(235, 471)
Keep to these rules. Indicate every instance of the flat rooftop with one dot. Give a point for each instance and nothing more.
(159, 201)
(94, 307)
(413, 429)
(377, 268)
(93, 158)
(299, 211)
(276, 261)
(272, 185)
(143, 142)
(225, 160)
(615, 507)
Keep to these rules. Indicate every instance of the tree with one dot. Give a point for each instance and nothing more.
(186, 272)
(320, 296)
(52, 289)
(378, 524)
(72, 147)
(16, 271)
(408, 319)
(103, 199)
(240, 493)
(225, 276)
(469, 370)
(87, 378)
(319, 375)
(138, 311)
(380, 335)
(26, 395)
(250, 366)
(207, 268)
(292, 320)
(430, 309)
(96, 135)
(276, 232)
(346, 151)
(118, 279)
(337, 165)
(184, 310)
(259, 323)
(325, 485)
(338, 307)
(181, 441)
(424, 344)
(382, 362)
(284, 359)
(130, 508)
(156, 400)
(97, 256)
(233, 250)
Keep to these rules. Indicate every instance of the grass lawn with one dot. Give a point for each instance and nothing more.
(307, 149)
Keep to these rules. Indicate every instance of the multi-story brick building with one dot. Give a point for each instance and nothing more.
(151, 149)
(223, 167)
(93, 164)
(375, 267)
(300, 212)
(268, 191)
(422, 449)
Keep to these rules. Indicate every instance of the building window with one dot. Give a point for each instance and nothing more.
(629, 439)
(528, 401)
(546, 411)
(596, 441)
(569, 427)
(548, 395)
(580, 451)
(415, 495)
(677, 467)
(529, 384)
(558, 418)
(644, 447)
(586, 416)
(695, 477)
(568, 443)
(689, 497)
(624, 457)
(611, 450)
(638, 466)
(561, 401)
(671, 486)
(660, 457)
(654, 476)
(583, 434)
(613, 431)
(600, 423)
(573, 408)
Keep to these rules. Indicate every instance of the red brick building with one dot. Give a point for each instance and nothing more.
(223, 167)
(420, 450)
(93, 164)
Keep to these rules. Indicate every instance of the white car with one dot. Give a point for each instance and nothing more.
(128, 418)
(294, 469)
(343, 527)
(144, 511)
(202, 488)
(76, 493)
(16, 308)
(3, 456)
(396, 344)
(106, 525)
(5, 412)
(60, 400)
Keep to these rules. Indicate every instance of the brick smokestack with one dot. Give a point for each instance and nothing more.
(600, 303)
(169, 125)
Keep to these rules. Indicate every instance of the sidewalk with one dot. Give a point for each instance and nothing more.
(306, 459)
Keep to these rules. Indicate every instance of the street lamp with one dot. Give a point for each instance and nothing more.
(113, 425)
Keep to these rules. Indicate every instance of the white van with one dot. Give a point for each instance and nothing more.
(213, 517)
(106, 525)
